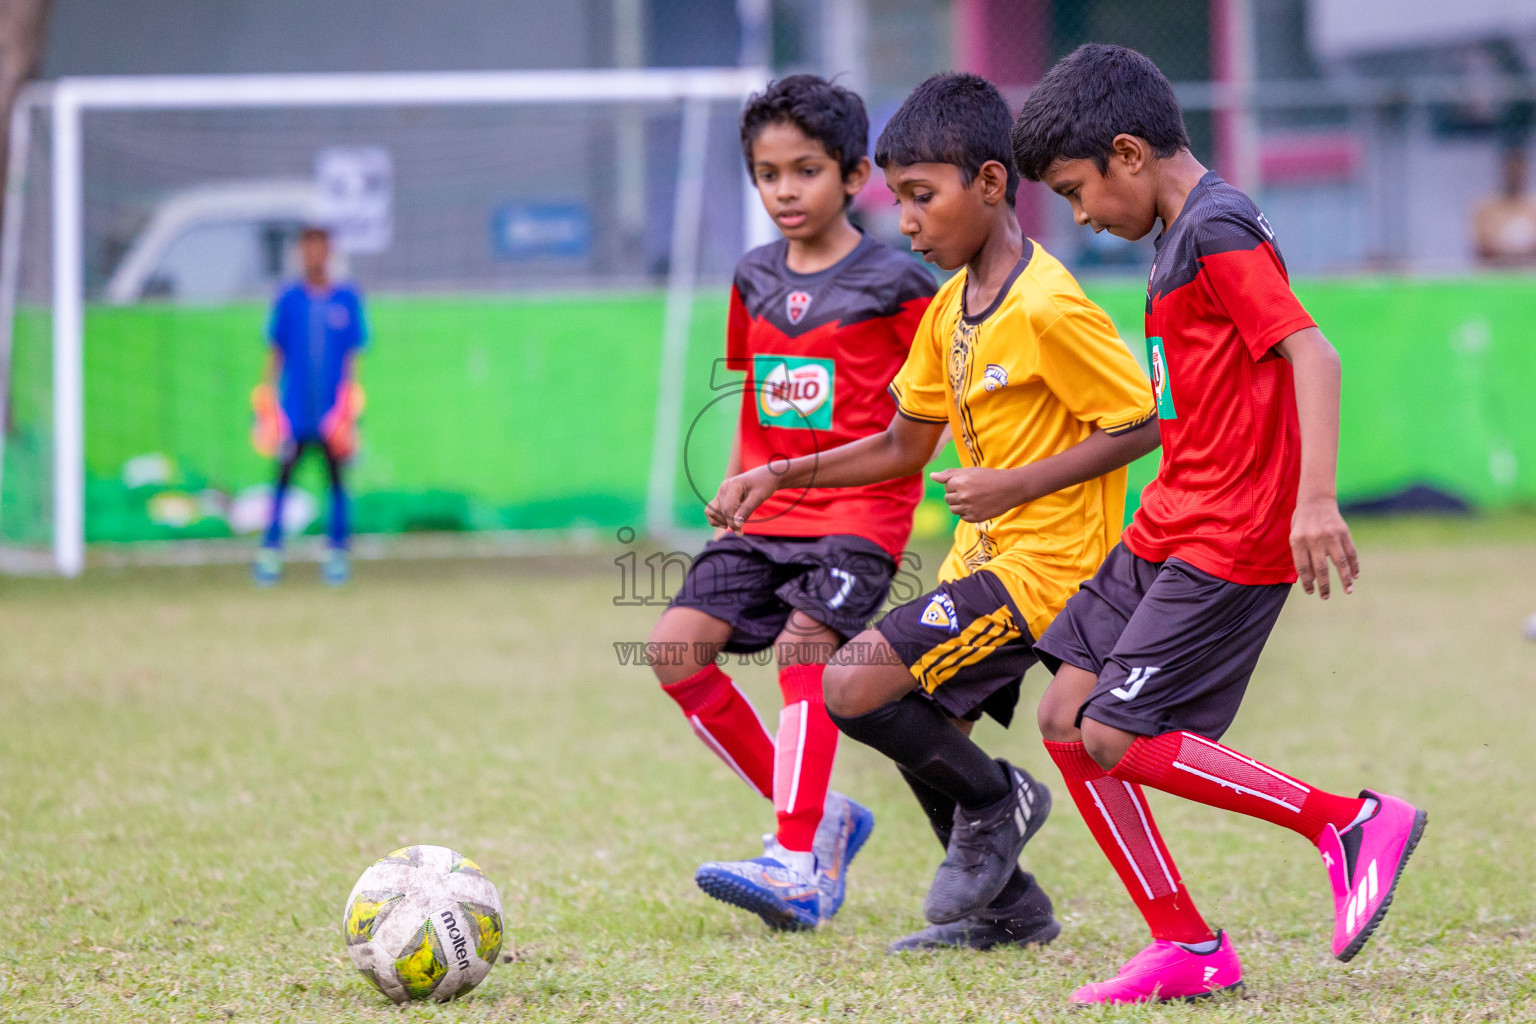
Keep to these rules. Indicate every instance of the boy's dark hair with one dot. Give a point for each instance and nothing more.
(825, 111)
(1091, 95)
(953, 118)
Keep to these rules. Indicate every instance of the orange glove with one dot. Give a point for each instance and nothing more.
(270, 429)
(339, 428)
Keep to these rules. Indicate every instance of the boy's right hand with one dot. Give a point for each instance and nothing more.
(739, 497)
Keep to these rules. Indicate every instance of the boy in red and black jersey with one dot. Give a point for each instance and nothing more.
(820, 321)
(1153, 655)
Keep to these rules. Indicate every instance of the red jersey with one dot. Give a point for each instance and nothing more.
(819, 351)
(1218, 301)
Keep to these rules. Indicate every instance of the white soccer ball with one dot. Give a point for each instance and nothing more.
(423, 923)
(1530, 628)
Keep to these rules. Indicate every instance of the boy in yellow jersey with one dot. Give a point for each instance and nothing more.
(1047, 407)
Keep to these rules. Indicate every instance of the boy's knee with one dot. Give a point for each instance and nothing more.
(1104, 743)
(1060, 705)
(676, 652)
(1057, 719)
(838, 687)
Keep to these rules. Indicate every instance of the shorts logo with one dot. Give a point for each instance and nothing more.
(1134, 682)
(1157, 365)
(794, 391)
(940, 614)
(845, 585)
(995, 377)
(795, 306)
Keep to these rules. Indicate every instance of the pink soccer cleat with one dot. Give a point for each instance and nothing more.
(1167, 972)
(1364, 864)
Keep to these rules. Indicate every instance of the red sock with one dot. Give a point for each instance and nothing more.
(727, 722)
(807, 744)
(1206, 772)
(1116, 813)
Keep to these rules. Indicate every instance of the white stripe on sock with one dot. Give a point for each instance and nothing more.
(794, 782)
(1116, 833)
(1248, 761)
(1229, 784)
(1147, 828)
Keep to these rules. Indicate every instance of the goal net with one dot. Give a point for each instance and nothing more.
(544, 258)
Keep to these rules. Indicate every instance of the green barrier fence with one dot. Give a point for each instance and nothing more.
(519, 413)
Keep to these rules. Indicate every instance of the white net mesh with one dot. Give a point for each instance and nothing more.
(514, 260)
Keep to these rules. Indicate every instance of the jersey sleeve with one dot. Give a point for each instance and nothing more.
(1086, 365)
(736, 324)
(1240, 265)
(919, 385)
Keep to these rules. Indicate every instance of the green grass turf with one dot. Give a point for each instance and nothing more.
(194, 773)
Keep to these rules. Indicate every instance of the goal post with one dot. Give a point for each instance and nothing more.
(697, 98)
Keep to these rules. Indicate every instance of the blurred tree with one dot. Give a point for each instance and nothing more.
(23, 30)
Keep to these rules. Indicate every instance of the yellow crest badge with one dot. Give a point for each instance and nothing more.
(940, 613)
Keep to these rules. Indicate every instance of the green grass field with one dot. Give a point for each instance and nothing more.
(194, 773)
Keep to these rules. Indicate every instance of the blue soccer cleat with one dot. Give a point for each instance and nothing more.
(336, 569)
(845, 828)
(770, 886)
(268, 567)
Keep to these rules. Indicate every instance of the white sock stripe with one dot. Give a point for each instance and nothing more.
(1248, 761)
(1146, 826)
(794, 782)
(1116, 833)
(704, 734)
(1229, 784)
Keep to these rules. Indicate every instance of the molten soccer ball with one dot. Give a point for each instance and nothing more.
(423, 923)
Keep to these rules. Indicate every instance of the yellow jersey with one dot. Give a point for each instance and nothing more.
(1028, 377)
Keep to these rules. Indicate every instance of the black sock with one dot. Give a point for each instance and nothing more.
(939, 808)
(915, 734)
(1021, 897)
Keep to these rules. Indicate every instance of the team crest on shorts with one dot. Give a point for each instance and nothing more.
(995, 377)
(795, 305)
(940, 613)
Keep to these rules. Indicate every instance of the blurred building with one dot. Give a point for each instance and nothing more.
(1371, 130)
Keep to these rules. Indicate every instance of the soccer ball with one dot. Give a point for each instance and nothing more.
(423, 923)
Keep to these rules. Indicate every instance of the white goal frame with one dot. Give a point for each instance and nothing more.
(67, 99)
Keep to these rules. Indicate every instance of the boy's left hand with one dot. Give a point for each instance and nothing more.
(976, 493)
(1319, 535)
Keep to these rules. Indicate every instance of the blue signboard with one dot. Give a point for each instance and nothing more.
(526, 230)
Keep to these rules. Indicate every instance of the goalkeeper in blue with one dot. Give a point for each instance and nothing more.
(309, 397)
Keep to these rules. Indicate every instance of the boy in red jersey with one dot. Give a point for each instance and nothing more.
(820, 321)
(1152, 655)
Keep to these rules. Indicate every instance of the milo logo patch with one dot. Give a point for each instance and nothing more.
(794, 391)
(1157, 366)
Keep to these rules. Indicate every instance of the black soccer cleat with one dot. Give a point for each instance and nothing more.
(980, 933)
(984, 849)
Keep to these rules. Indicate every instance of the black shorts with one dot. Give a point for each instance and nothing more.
(1173, 647)
(966, 645)
(754, 584)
